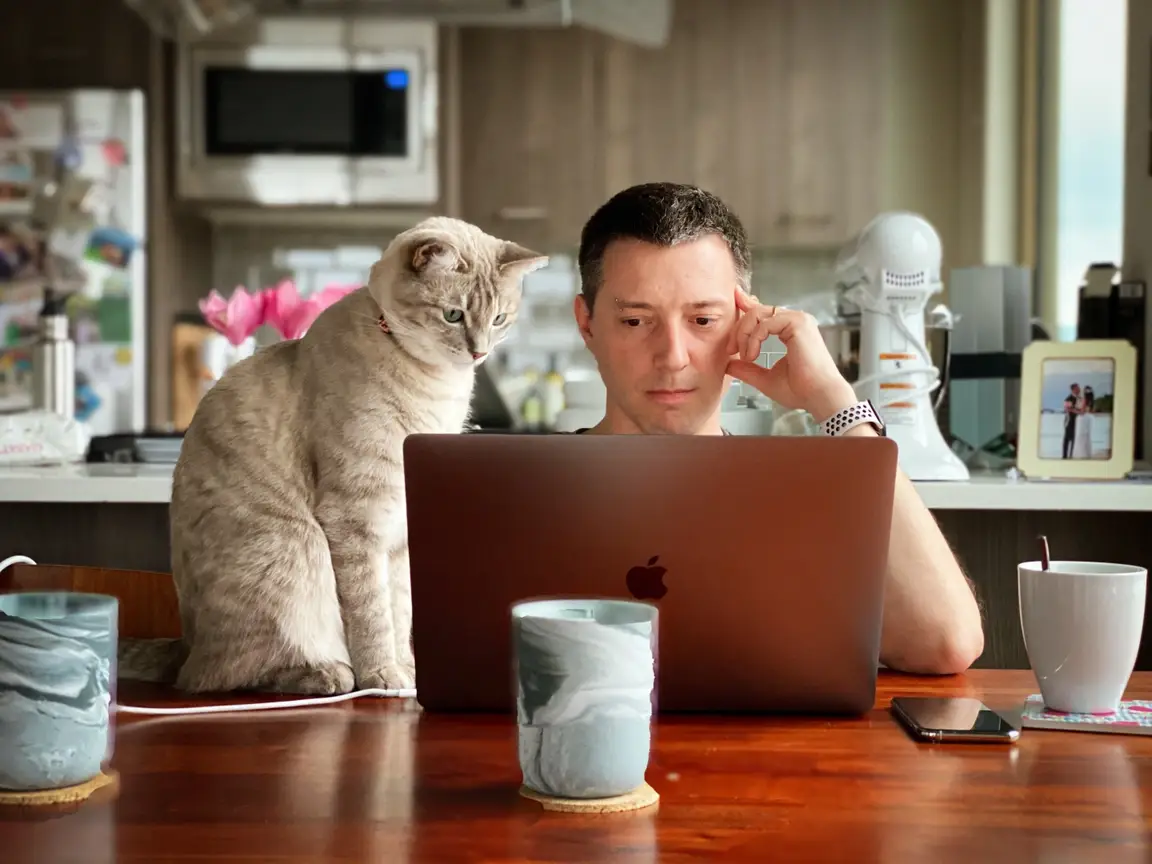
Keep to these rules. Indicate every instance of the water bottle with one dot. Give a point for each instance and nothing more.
(54, 359)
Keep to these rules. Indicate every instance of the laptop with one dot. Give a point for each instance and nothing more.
(765, 557)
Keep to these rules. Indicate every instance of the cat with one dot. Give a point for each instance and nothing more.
(288, 524)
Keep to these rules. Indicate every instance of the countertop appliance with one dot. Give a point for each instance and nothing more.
(313, 111)
(993, 309)
(890, 271)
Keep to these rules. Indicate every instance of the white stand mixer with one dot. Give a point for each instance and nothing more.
(890, 271)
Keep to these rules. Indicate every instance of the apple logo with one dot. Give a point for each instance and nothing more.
(646, 582)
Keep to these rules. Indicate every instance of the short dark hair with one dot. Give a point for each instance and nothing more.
(664, 214)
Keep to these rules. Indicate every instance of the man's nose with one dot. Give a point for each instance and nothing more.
(673, 351)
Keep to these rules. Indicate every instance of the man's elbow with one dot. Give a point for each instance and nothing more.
(957, 653)
(952, 652)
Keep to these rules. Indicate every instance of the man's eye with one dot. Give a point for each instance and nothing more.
(632, 322)
(704, 322)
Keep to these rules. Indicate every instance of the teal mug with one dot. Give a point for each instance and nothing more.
(57, 687)
(585, 675)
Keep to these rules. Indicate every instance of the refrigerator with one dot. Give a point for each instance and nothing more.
(72, 219)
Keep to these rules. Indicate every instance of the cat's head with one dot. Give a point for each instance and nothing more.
(449, 291)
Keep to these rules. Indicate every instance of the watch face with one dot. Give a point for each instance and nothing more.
(879, 423)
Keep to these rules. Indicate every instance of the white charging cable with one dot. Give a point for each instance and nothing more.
(865, 301)
(403, 693)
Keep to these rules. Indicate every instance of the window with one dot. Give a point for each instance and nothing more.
(1089, 153)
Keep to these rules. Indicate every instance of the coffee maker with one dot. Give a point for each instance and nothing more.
(992, 306)
(1111, 308)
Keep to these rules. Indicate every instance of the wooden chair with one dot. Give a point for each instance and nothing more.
(148, 605)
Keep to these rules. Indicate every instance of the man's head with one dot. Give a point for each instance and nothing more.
(659, 265)
(1075, 389)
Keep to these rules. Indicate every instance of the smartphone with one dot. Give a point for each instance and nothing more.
(952, 719)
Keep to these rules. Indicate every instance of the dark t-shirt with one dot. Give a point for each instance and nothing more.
(1069, 417)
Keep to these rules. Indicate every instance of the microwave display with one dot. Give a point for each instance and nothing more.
(254, 112)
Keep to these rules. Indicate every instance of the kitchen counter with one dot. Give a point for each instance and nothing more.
(116, 515)
(152, 484)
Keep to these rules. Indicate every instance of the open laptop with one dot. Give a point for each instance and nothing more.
(766, 557)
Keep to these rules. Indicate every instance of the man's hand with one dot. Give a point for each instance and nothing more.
(806, 377)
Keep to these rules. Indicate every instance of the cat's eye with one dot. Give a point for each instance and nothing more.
(453, 316)
(499, 319)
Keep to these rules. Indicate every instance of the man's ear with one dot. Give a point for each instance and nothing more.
(583, 317)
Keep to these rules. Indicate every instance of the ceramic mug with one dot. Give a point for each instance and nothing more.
(57, 679)
(585, 674)
(1082, 622)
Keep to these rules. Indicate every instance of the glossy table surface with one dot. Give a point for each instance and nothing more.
(377, 780)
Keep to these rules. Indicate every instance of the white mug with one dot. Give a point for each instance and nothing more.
(1082, 622)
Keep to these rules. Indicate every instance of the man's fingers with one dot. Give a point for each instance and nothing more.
(763, 321)
(771, 382)
(756, 338)
(744, 300)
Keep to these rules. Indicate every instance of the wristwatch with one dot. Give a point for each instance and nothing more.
(850, 418)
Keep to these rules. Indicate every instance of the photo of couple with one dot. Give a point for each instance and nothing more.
(1076, 409)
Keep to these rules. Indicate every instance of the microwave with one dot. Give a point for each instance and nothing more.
(309, 112)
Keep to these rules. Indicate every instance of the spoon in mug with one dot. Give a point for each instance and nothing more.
(1045, 558)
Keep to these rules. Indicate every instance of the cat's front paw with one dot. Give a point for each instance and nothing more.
(391, 676)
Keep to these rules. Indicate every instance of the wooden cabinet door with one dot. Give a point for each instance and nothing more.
(835, 103)
(530, 144)
(64, 44)
(709, 108)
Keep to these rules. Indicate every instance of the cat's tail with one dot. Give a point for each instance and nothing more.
(154, 660)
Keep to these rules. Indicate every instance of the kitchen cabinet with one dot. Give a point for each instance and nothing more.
(775, 105)
(529, 149)
(64, 44)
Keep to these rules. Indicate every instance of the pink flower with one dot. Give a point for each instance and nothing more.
(236, 318)
(329, 294)
(291, 314)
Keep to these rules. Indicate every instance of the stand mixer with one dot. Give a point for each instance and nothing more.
(888, 273)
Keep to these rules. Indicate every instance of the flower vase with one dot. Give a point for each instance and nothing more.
(218, 354)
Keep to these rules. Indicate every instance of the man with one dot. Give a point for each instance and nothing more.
(666, 312)
(1071, 401)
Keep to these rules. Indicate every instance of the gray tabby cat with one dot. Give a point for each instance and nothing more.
(289, 537)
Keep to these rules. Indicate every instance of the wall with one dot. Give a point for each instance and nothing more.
(934, 130)
(1138, 176)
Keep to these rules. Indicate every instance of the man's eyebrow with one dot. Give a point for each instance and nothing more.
(623, 305)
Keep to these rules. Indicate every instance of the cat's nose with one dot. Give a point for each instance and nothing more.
(476, 355)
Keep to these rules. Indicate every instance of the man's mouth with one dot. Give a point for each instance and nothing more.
(671, 396)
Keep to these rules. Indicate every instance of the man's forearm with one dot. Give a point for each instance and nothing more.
(931, 617)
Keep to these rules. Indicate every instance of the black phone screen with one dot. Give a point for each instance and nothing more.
(959, 715)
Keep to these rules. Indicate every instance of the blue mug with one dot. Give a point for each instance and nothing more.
(57, 687)
(585, 674)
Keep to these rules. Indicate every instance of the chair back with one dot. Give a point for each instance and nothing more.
(148, 605)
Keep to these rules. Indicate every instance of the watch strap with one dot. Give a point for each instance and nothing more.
(850, 418)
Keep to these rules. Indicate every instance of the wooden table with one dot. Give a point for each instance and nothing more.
(376, 781)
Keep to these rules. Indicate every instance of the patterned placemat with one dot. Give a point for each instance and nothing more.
(1132, 718)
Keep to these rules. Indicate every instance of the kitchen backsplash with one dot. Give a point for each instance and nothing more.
(260, 256)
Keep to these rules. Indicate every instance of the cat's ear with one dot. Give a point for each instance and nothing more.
(432, 254)
(517, 261)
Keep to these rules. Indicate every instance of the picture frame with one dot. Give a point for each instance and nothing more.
(1061, 383)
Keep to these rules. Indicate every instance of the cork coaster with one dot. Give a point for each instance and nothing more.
(66, 795)
(639, 798)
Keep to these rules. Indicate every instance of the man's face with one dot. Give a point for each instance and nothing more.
(659, 332)
(1075, 389)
